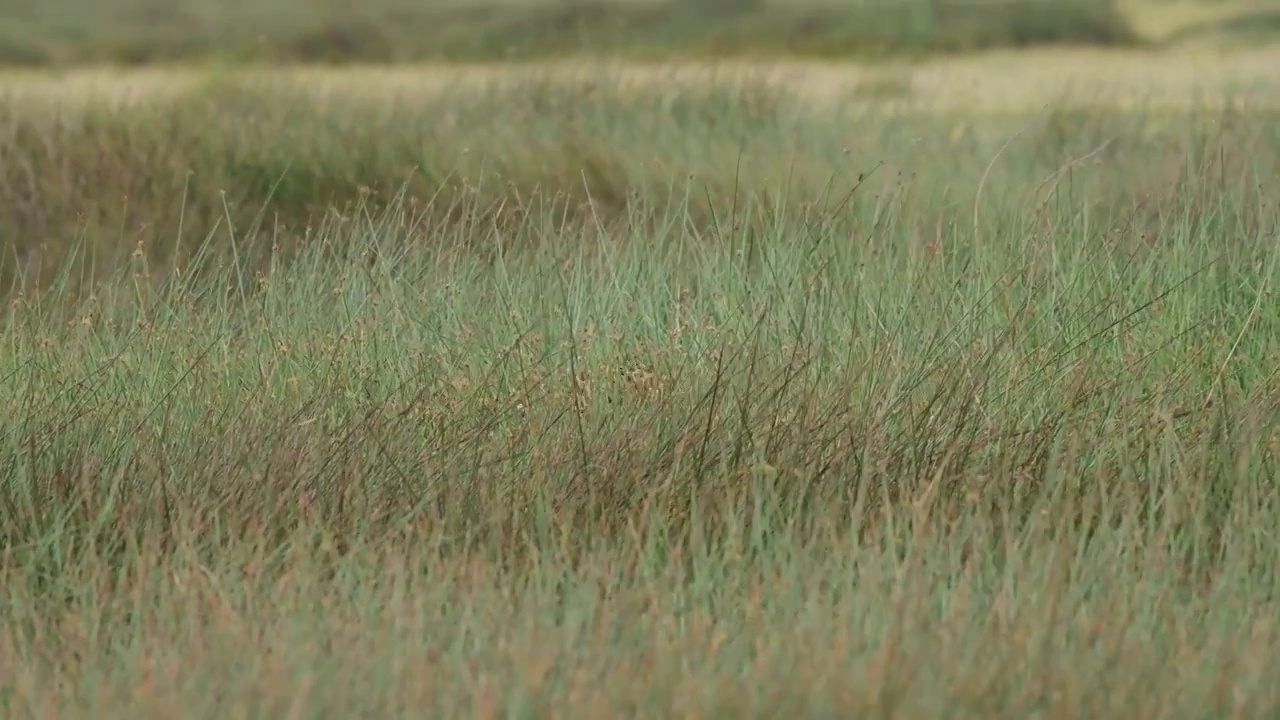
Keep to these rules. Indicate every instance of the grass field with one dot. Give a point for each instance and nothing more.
(909, 391)
(134, 32)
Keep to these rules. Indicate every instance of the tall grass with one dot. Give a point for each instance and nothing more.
(729, 408)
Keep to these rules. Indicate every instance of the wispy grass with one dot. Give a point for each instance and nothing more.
(608, 410)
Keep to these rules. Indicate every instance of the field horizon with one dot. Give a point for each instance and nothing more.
(68, 33)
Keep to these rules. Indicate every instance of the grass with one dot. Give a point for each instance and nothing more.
(1187, 23)
(1260, 27)
(146, 31)
(569, 397)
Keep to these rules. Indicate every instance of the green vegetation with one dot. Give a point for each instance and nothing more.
(142, 31)
(560, 398)
(1258, 27)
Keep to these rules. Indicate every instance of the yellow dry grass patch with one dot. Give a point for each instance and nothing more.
(1163, 19)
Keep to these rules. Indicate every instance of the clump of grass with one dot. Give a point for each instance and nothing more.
(749, 443)
(138, 32)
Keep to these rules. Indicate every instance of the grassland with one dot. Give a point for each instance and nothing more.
(56, 32)
(638, 393)
(43, 33)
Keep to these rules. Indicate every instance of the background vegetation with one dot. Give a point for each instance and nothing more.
(557, 397)
(42, 33)
(47, 32)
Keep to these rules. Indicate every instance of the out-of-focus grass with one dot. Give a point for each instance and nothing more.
(570, 399)
(144, 31)
(1189, 22)
(136, 32)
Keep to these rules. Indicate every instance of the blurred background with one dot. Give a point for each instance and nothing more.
(131, 32)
